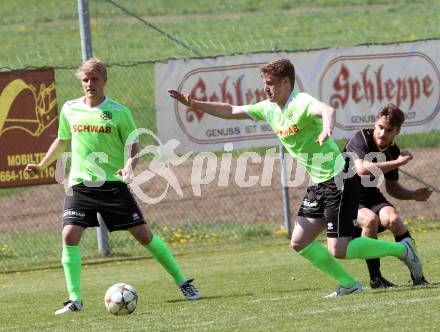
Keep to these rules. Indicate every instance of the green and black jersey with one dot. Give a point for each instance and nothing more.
(98, 138)
(298, 129)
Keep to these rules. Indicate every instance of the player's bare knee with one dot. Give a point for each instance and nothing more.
(337, 252)
(394, 221)
(142, 234)
(296, 245)
(371, 223)
(71, 235)
(148, 238)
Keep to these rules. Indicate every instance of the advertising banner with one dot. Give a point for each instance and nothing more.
(356, 81)
(28, 125)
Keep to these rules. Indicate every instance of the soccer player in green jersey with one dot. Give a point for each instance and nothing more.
(98, 130)
(304, 126)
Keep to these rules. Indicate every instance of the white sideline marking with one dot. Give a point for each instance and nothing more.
(280, 298)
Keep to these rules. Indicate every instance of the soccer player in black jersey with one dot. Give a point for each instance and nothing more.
(375, 148)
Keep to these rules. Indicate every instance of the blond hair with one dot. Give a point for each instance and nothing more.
(92, 65)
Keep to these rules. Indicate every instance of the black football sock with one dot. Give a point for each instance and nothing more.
(374, 268)
(399, 238)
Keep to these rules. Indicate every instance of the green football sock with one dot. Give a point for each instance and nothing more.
(366, 248)
(321, 258)
(163, 255)
(71, 261)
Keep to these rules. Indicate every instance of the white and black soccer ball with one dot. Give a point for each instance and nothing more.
(120, 299)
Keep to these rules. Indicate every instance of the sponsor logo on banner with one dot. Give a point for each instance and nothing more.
(28, 125)
(233, 84)
(357, 86)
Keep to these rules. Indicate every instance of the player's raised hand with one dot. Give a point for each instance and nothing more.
(422, 194)
(180, 97)
(126, 174)
(33, 169)
(404, 158)
(325, 133)
(406, 154)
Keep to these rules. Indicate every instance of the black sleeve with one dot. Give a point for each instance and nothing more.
(393, 154)
(358, 145)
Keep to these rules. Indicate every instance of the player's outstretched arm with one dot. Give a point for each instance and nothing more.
(422, 194)
(56, 149)
(395, 189)
(220, 110)
(364, 167)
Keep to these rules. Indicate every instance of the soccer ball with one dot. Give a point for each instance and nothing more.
(120, 299)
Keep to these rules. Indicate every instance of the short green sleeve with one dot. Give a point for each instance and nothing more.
(257, 111)
(63, 125)
(127, 128)
(305, 101)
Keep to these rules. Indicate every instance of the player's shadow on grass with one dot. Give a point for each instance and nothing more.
(290, 290)
(249, 294)
(214, 297)
(431, 285)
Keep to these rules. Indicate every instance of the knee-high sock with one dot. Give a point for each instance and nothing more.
(321, 258)
(399, 238)
(373, 265)
(163, 255)
(365, 248)
(71, 260)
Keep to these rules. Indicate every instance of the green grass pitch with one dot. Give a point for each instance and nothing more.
(251, 286)
(258, 285)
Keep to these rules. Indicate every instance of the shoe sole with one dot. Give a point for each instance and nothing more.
(355, 291)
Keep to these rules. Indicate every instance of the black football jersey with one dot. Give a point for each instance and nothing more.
(362, 143)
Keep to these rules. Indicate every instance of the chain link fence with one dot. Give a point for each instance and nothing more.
(130, 40)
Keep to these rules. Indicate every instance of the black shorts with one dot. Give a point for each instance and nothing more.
(112, 200)
(375, 202)
(338, 207)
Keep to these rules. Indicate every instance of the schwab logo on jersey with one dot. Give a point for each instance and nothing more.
(78, 128)
(288, 132)
(358, 85)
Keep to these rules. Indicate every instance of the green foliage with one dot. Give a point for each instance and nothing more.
(23, 250)
(47, 33)
(423, 140)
